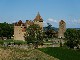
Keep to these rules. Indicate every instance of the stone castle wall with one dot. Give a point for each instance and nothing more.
(20, 27)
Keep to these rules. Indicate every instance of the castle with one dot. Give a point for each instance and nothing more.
(20, 27)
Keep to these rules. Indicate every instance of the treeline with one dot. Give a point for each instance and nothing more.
(6, 30)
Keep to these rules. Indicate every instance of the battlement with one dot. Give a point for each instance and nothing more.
(19, 23)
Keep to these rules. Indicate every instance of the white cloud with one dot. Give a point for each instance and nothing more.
(76, 21)
(45, 23)
(79, 22)
(52, 20)
(73, 23)
(55, 21)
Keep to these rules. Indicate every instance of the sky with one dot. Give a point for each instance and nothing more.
(52, 11)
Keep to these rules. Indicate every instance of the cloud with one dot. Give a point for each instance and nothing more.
(45, 23)
(79, 21)
(73, 23)
(52, 20)
(76, 21)
(69, 22)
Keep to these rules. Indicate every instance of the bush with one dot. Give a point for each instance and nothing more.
(19, 42)
(1, 42)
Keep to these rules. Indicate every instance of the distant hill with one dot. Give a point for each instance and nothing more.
(74, 28)
(56, 29)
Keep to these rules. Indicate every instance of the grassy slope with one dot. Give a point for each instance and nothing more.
(62, 53)
(10, 53)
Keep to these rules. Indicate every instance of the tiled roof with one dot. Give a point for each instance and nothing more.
(19, 23)
(38, 18)
(29, 22)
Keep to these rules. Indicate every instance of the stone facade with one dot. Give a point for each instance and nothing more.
(19, 30)
(62, 29)
(20, 27)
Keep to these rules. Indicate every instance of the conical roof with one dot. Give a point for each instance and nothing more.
(38, 18)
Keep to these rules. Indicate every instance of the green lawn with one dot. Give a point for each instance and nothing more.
(15, 41)
(62, 53)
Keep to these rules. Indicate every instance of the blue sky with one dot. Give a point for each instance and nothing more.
(52, 11)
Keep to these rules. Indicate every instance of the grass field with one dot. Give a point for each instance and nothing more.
(62, 53)
(10, 41)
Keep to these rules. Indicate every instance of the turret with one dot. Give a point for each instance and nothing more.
(38, 20)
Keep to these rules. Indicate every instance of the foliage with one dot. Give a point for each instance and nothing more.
(49, 27)
(73, 37)
(34, 34)
(1, 42)
(6, 30)
(49, 30)
(62, 53)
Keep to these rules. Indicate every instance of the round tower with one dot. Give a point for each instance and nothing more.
(62, 29)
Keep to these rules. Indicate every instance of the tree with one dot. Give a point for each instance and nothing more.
(73, 37)
(49, 30)
(49, 27)
(6, 30)
(34, 35)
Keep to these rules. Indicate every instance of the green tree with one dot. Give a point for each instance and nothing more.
(34, 35)
(73, 37)
(49, 31)
(6, 30)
